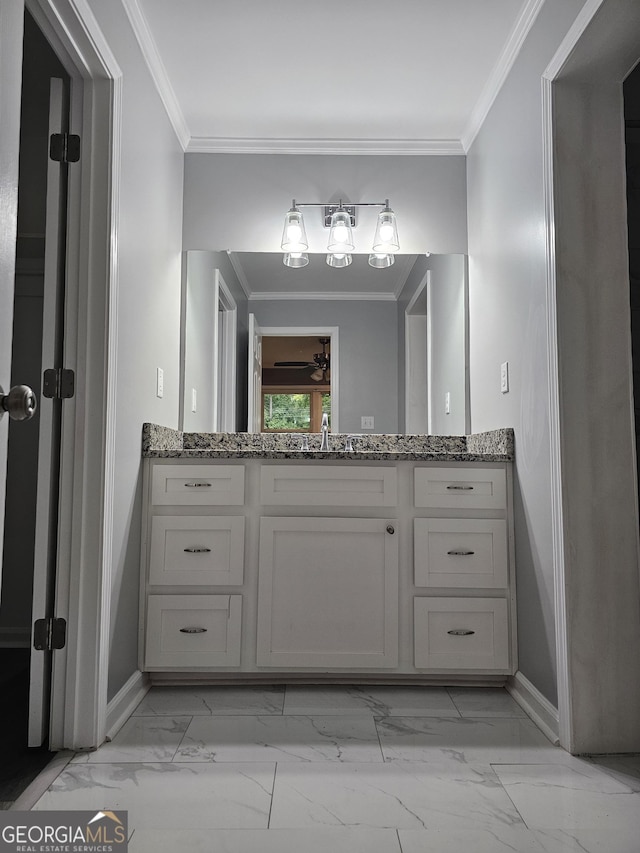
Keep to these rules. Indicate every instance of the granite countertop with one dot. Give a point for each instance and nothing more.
(164, 443)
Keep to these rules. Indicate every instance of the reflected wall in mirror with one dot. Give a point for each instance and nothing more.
(208, 370)
(403, 333)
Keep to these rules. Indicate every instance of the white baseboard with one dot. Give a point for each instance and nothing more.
(15, 638)
(124, 703)
(535, 705)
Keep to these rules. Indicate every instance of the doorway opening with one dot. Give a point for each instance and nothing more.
(30, 522)
(293, 378)
(296, 383)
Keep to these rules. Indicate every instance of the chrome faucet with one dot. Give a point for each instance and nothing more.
(324, 429)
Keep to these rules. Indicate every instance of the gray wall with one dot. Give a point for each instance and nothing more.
(368, 353)
(238, 201)
(507, 297)
(196, 346)
(148, 312)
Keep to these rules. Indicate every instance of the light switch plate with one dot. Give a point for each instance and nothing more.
(160, 382)
(504, 377)
(366, 422)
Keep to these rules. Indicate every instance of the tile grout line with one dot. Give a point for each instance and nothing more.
(273, 792)
(184, 734)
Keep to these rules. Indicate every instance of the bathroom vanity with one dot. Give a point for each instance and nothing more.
(392, 561)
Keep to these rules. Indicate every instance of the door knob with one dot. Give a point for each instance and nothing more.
(20, 403)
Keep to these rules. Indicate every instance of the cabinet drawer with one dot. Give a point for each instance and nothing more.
(193, 631)
(348, 485)
(461, 633)
(479, 488)
(197, 485)
(197, 550)
(460, 552)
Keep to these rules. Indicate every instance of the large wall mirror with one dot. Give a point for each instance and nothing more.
(393, 344)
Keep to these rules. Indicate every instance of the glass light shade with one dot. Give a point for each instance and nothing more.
(317, 375)
(385, 241)
(340, 235)
(294, 236)
(339, 260)
(295, 259)
(381, 261)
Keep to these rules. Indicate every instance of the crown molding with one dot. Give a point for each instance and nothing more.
(157, 70)
(397, 147)
(323, 296)
(240, 273)
(501, 70)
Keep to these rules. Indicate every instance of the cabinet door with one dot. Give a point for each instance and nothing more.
(328, 593)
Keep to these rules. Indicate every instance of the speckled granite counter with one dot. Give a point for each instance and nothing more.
(162, 442)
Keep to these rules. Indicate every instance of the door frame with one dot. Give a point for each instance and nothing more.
(83, 581)
(225, 353)
(331, 332)
(605, 720)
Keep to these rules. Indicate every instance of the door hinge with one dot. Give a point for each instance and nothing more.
(64, 147)
(58, 383)
(49, 634)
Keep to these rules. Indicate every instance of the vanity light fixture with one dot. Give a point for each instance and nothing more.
(295, 259)
(339, 259)
(385, 241)
(380, 262)
(294, 236)
(340, 219)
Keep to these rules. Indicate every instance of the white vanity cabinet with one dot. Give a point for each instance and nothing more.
(265, 567)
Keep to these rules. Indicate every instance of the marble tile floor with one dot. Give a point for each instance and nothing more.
(337, 769)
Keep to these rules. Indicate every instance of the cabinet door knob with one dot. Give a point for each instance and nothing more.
(390, 528)
(197, 550)
(193, 629)
(460, 632)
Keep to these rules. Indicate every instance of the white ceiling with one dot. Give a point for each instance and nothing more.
(407, 76)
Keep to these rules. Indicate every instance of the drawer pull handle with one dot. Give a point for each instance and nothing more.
(460, 632)
(197, 485)
(197, 550)
(193, 629)
(390, 528)
(461, 488)
(461, 553)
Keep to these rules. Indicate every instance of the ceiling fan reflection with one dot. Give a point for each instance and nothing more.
(321, 363)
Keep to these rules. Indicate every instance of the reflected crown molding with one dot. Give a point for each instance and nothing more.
(331, 296)
(396, 147)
